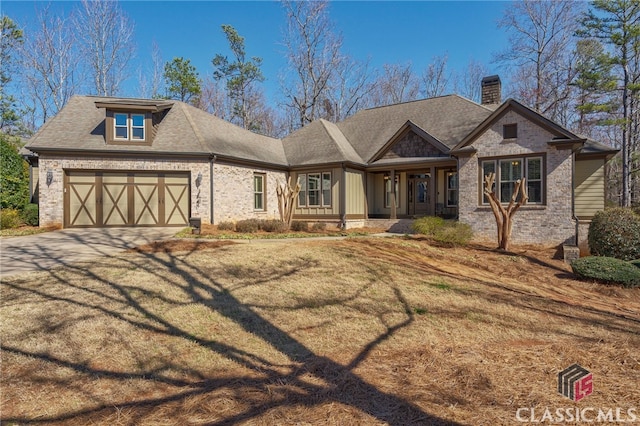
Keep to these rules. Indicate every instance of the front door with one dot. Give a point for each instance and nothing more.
(419, 196)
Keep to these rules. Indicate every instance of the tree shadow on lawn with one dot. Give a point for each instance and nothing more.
(334, 382)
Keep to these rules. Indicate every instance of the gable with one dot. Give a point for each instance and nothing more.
(410, 141)
(505, 114)
(410, 144)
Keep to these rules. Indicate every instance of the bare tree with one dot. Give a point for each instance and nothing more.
(107, 43)
(50, 66)
(467, 82)
(349, 89)
(213, 98)
(313, 55)
(151, 84)
(436, 77)
(541, 38)
(396, 84)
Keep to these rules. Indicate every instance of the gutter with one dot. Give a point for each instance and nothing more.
(343, 197)
(212, 160)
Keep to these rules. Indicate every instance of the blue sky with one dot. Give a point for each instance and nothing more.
(381, 31)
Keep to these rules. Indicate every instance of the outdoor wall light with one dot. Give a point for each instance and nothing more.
(49, 177)
(199, 180)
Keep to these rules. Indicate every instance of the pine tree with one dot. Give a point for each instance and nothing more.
(616, 23)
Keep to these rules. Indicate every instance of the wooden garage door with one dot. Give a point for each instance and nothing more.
(99, 199)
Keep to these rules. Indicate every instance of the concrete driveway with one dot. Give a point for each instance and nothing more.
(44, 251)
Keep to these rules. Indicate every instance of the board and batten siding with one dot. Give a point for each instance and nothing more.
(355, 195)
(589, 187)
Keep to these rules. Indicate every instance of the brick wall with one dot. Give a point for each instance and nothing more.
(233, 195)
(51, 201)
(549, 224)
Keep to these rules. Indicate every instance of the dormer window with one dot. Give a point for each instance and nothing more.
(129, 126)
(132, 121)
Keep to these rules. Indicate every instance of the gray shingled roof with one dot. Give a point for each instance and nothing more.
(447, 118)
(319, 142)
(184, 129)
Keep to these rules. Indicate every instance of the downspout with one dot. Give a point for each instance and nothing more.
(343, 198)
(212, 160)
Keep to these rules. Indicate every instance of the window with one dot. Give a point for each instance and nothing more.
(122, 128)
(510, 131)
(452, 189)
(315, 189)
(302, 195)
(534, 180)
(508, 171)
(487, 167)
(128, 126)
(388, 194)
(326, 189)
(258, 192)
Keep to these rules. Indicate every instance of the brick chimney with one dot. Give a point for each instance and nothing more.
(491, 90)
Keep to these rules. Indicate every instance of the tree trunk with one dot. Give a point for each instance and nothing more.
(286, 200)
(504, 215)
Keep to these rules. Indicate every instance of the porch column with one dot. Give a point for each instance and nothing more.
(433, 190)
(394, 204)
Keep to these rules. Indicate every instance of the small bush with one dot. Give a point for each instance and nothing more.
(248, 226)
(636, 262)
(615, 233)
(273, 225)
(454, 233)
(607, 270)
(443, 231)
(427, 225)
(30, 215)
(226, 226)
(299, 226)
(9, 218)
(319, 226)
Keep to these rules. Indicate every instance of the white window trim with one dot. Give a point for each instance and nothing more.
(525, 169)
(129, 126)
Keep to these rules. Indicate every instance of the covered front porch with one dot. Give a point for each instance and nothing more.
(422, 188)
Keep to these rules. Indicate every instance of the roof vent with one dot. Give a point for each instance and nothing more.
(491, 90)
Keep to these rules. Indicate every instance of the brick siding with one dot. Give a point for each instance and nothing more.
(549, 224)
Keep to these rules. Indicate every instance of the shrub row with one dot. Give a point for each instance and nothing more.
(607, 270)
(448, 232)
(12, 218)
(250, 226)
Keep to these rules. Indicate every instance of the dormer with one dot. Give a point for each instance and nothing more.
(132, 121)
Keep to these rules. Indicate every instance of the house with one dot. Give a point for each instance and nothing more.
(137, 162)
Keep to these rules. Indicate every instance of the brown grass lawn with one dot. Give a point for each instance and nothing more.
(359, 331)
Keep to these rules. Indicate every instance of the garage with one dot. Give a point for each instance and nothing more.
(116, 199)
